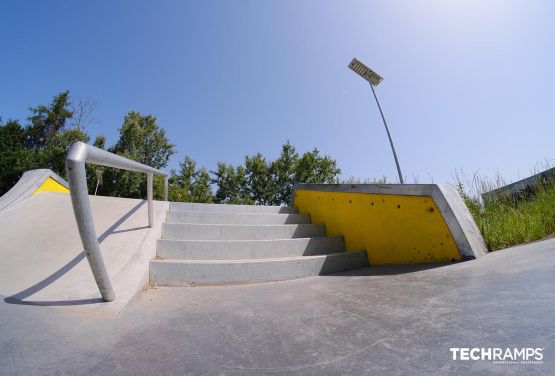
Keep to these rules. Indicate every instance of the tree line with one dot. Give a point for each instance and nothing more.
(43, 141)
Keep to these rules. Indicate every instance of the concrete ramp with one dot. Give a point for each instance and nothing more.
(43, 262)
(31, 183)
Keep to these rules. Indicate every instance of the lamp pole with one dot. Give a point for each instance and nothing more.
(374, 79)
(388, 135)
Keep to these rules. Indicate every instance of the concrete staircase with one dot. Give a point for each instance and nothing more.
(208, 244)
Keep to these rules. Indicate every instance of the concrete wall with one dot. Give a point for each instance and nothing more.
(395, 224)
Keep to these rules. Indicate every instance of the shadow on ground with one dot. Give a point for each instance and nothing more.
(388, 270)
(18, 298)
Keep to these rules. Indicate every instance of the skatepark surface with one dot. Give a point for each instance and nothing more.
(43, 262)
(387, 320)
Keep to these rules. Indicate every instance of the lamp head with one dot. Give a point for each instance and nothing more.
(365, 72)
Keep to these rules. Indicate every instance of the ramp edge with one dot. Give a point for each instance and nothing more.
(29, 183)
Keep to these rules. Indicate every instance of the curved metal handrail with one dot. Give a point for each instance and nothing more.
(79, 154)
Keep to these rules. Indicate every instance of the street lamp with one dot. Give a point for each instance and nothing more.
(374, 79)
(98, 180)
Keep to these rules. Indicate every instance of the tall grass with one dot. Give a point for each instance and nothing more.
(511, 220)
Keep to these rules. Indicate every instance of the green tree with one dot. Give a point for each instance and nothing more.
(202, 191)
(283, 174)
(47, 138)
(54, 155)
(143, 141)
(260, 185)
(314, 168)
(185, 179)
(42, 143)
(14, 158)
(232, 185)
(100, 141)
(264, 183)
(190, 184)
(46, 122)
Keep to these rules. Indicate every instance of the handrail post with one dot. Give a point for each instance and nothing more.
(165, 188)
(149, 198)
(77, 179)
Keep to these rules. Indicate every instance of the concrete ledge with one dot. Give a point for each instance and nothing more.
(191, 231)
(225, 208)
(30, 182)
(391, 239)
(213, 272)
(178, 216)
(247, 249)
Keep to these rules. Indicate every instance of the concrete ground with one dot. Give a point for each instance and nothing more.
(375, 320)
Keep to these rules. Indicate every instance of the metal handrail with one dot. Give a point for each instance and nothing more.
(79, 154)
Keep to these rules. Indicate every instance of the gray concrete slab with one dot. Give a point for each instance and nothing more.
(245, 249)
(226, 208)
(214, 272)
(193, 231)
(42, 257)
(376, 321)
(174, 216)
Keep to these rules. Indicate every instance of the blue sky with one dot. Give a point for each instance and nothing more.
(468, 85)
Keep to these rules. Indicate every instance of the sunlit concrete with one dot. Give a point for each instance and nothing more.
(373, 321)
(42, 258)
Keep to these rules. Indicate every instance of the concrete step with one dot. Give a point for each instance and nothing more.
(174, 216)
(191, 231)
(214, 272)
(247, 249)
(224, 208)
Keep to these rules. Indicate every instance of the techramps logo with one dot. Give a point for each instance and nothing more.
(499, 355)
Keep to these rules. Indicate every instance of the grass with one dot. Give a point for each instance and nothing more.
(508, 221)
